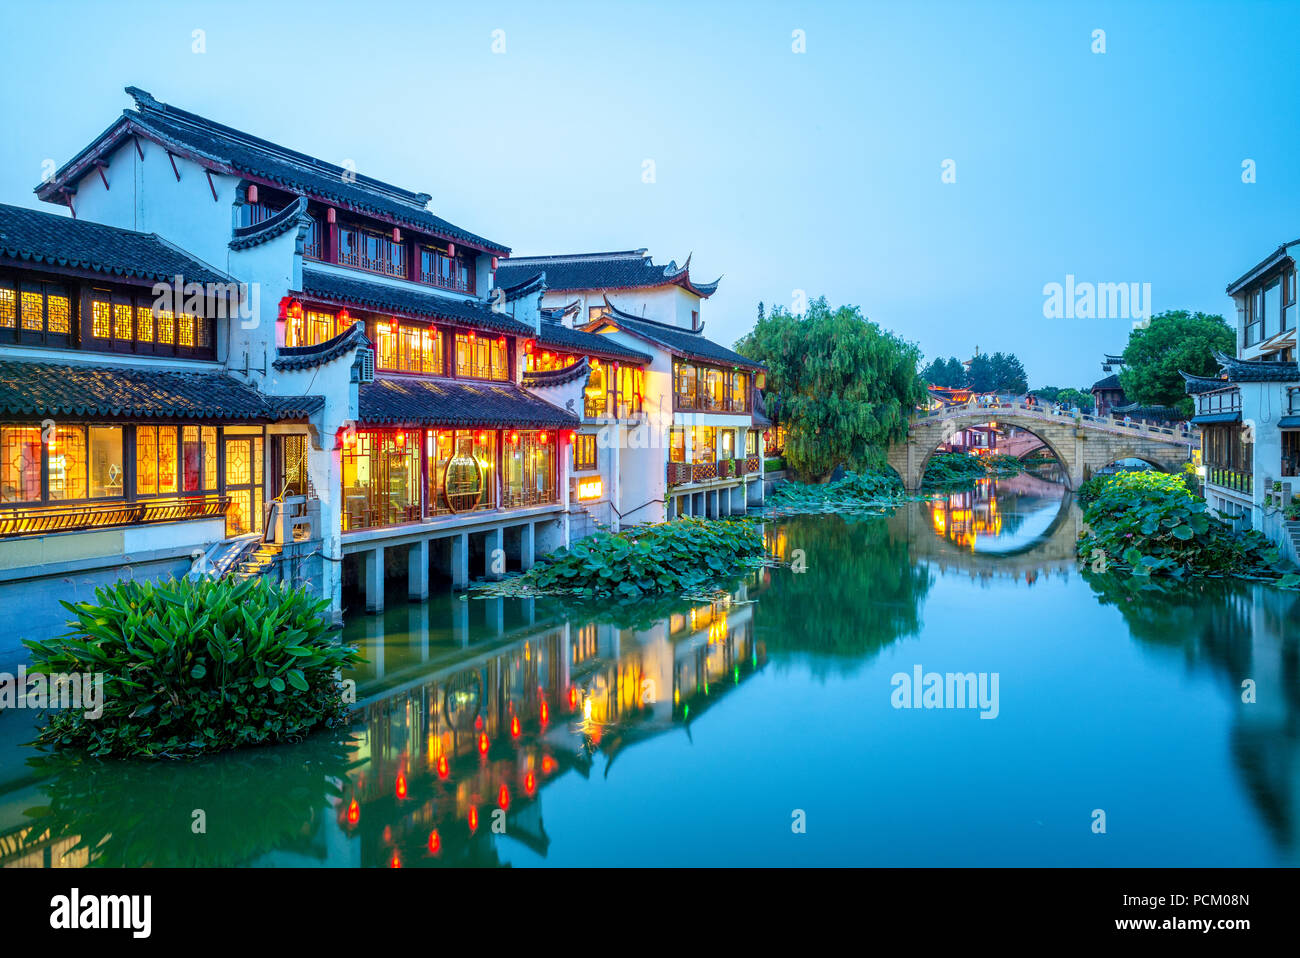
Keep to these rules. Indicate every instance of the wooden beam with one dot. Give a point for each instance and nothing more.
(99, 165)
(68, 194)
(138, 148)
(211, 185)
(174, 170)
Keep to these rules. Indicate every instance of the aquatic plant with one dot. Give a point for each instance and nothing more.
(953, 468)
(683, 554)
(196, 667)
(874, 487)
(1150, 523)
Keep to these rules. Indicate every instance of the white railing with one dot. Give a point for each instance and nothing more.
(1017, 406)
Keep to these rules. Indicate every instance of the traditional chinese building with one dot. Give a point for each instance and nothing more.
(347, 366)
(693, 445)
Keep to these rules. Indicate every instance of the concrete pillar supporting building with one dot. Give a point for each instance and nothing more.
(417, 571)
(460, 561)
(372, 561)
(494, 554)
(527, 546)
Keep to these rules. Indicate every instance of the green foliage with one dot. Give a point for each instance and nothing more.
(775, 464)
(195, 667)
(1150, 523)
(1174, 340)
(1003, 465)
(671, 556)
(953, 468)
(874, 488)
(949, 373)
(843, 387)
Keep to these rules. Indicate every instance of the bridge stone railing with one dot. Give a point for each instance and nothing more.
(1018, 407)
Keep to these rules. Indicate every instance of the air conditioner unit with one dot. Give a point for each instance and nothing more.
(365, 365)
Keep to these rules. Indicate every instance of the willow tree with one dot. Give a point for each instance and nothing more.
(842, 386)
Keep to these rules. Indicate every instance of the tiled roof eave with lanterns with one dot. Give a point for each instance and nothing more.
(417, 403)
(682, 343)
(290, 358)
(331, 290)
(34, 390)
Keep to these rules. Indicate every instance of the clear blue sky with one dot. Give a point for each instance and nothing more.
(817, 171)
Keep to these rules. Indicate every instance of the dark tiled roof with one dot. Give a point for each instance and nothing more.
(60, 241)
(683, 342)
(252, 156)
(1243, 371)
(1201, 384)
(533, 284)
(626, 269)
(306, 357)
(576, 340)
(267, 230)
(451, 402)
(557, 377)
(1110, 382)
(129, 392)
(1216, 417)
(1273, 260)
(382, 297)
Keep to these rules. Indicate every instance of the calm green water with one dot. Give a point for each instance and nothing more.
(522, 733)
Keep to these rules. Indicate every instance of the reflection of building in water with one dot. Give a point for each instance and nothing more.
(962, 517)
(450, 764)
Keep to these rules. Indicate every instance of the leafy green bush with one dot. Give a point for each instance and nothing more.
(774, 464)
(666, 557)
(195, 667)
(1003, 465)
(1149, 523)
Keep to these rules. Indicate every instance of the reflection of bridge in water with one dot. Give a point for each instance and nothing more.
(981, 531)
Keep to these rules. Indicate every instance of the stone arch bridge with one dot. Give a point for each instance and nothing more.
(1083, 443)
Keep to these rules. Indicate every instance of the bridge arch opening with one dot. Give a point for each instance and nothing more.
(963, 428)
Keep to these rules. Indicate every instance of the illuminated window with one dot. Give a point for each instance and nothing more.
(410, 349)
(85, 462)
(33, 308)
(8, 308)
(584, 452)
(100, 319)
(312, 328)
(528, 469)
(185, 330)
(144, 324)
(677, 445)
(481, 357)
(375, 252)
(20, 463)
(122, 322)
(155, 460)
(166, 326)
(454, 273)
(704, 443)
(58, 313)
(684, 377)
(209, 437)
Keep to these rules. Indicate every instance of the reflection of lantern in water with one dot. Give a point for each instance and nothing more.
(473, 818)
(463, 478)
(401, 785)
(396, 861)
(444, 767)
(530, 784)
(515, 728)
(503, 797)
(435, 842)
(548, 765)
(546, 713)
(573, 698)
(482, 743)
(354, 812)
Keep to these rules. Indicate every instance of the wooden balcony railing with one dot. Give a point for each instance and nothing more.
(680, 473)
(1232, 479)
(750, 464)
(42, 520)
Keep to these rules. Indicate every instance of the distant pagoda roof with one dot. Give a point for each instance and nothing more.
(623, 269)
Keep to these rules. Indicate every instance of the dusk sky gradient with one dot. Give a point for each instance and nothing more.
(817, 171)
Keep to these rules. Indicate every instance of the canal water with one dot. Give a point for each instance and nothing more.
(760, 728)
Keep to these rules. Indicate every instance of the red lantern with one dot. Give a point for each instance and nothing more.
(252, 192)
(514, 438)
(295, 310)
(393, 326)
(345, 318)
(451, 251)
(573, 437)
(482, 438)
(401, 440)
(494, 262)
(471, 335)
(330, 215)
(541, 437)
(528, 345)
(397, 235)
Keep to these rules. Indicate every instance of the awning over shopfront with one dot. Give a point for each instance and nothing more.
(1216, 417)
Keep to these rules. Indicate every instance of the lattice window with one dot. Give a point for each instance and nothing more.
(67, 458)
(33, 311)
(20, 463)
(101, 319)
(146, 460)
(144, 324)
(166, 327)
(8, 308)
(167, 462)
(58, 314)
(209, 435)
(185, 330)
(122, 321)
